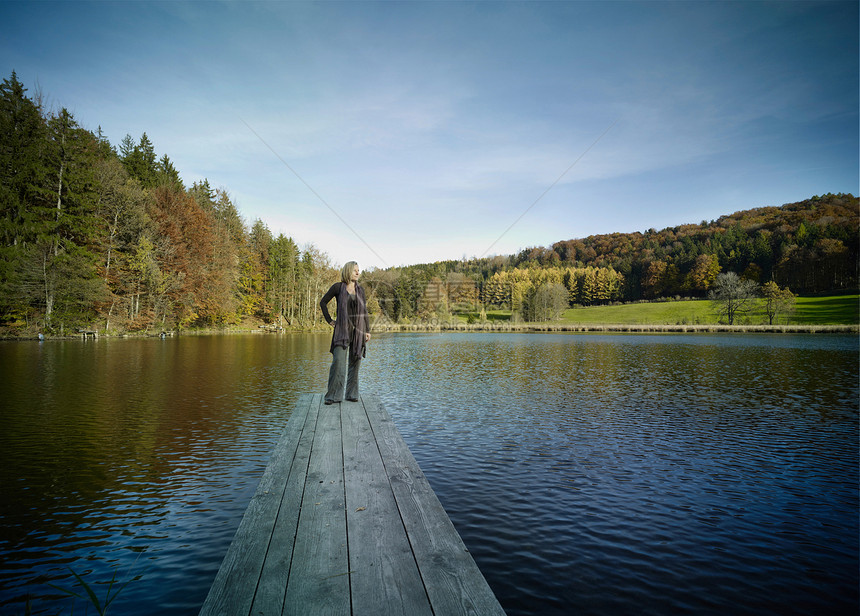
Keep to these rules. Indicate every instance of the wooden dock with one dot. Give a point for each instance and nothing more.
(344, 522)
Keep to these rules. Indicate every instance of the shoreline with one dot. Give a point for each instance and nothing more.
(500, 327)
(617, 328)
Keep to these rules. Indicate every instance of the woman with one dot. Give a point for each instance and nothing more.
(350, 335)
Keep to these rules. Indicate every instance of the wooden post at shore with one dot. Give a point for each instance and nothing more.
(345, 522)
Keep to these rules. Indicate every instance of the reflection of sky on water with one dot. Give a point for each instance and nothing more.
(700, 472)
(585, 472)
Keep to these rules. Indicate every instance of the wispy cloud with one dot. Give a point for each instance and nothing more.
(431, 126)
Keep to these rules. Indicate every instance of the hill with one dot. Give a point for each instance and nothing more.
(810, 246)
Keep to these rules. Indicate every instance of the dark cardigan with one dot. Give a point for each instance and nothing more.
(340, 336)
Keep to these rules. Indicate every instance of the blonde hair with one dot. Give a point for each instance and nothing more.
(346, 272)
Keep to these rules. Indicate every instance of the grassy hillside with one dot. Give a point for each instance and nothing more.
(832, 310)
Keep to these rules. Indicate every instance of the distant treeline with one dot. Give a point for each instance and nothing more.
(108, 237)
(810, 247)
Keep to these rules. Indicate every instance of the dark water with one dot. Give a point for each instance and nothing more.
(588, 474)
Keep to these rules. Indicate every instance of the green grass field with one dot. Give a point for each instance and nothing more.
(831, 310)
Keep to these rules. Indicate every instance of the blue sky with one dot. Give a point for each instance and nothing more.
(432, 127)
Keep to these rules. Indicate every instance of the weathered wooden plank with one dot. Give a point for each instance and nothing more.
(384, 575)
(452, 580)
(269, 598)
(318, 582)
(344, 522)
(232, 591)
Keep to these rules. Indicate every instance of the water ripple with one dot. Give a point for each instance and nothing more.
(587, 474)
(667, 473)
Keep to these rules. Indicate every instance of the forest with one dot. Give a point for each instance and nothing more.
(108, 238)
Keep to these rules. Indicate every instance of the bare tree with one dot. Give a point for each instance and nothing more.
(733, 295)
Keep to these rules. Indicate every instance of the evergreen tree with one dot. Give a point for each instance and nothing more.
(22, 172)
(22, 169)
(203, 194)
(167, 175)
(67, 226)
(140, 160)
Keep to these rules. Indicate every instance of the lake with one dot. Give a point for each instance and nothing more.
(587, 473)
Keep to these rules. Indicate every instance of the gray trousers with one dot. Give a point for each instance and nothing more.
(342, 362)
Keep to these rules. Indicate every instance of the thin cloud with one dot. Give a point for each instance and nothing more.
(436, 124)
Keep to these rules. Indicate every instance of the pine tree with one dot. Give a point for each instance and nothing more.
(140, 160)
(65, 243)
(167, 175)
(22, 172)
